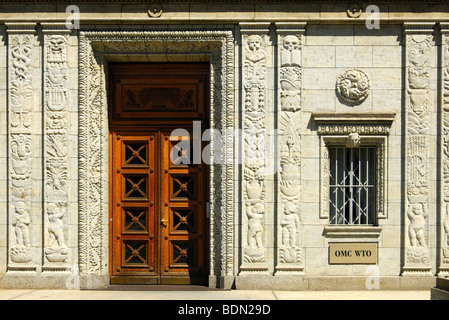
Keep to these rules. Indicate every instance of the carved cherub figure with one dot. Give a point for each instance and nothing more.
(21, 221)
(255, 228)
(417, 214)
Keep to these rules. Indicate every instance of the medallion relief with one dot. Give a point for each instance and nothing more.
(353, 86)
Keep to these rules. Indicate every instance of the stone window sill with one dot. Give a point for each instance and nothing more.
(352, 231)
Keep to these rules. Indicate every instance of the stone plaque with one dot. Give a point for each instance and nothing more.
(353, 253)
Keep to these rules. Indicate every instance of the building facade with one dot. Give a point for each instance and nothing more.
(241, 144)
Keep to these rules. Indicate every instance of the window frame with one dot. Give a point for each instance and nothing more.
(380, 143)
(356, 188)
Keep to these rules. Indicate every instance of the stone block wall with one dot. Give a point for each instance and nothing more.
(270, 72)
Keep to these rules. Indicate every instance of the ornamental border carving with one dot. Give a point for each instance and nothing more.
(443, 268)
(95, 48)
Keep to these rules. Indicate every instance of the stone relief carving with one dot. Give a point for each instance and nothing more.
(353, 86)
(444, 267)
(56, 84)
(418, 52)
(20, 84)
(289, 253)
(93, 207)
(290, 74)
(254, 139)
(21, 250)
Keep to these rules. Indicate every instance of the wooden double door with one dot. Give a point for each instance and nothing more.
(158, 194)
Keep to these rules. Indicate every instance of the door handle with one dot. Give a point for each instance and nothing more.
(163, 221)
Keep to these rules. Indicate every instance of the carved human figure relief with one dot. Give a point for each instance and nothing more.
(255, 213)
(417, 214)
(20, 249)
(290, 226)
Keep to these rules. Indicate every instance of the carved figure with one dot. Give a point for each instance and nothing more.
(55, 213)
(353, 140)
(290, 226)
(417, 214)
(21, 221)
(291, 55)
(255, 214)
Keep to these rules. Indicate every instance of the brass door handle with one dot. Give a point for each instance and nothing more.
(163, 221)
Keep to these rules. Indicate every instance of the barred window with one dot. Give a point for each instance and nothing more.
(352, 185)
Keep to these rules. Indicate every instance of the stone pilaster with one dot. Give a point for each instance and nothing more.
(256, 59)
(24, 208)
(420, 66)
(289, 254)
(444, 118)
(56, 145)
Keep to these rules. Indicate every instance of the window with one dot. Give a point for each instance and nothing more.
(352, 185)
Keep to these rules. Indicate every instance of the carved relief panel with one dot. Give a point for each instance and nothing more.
(56, 145)
(21, 44)
(419, 104)
(289, 253)
(254, 89)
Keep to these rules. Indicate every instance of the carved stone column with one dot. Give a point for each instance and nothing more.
(289, 49)
(255, 60)
(444, 235)
(24, 218)
(56, 145)
(419, 104)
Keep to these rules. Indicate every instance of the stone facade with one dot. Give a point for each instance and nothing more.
(317, 74)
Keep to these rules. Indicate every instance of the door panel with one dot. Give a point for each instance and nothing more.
(133, 216)
(183, 208)
(158, 209)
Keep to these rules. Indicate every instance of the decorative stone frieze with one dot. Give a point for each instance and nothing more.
(419, 103)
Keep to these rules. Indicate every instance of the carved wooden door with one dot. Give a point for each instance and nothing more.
(158, 194)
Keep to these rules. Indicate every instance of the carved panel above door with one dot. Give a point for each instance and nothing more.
(140, 92)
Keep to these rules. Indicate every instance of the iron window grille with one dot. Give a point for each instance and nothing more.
(352, 185)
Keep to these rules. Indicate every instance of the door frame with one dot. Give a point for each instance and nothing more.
(96, 49)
